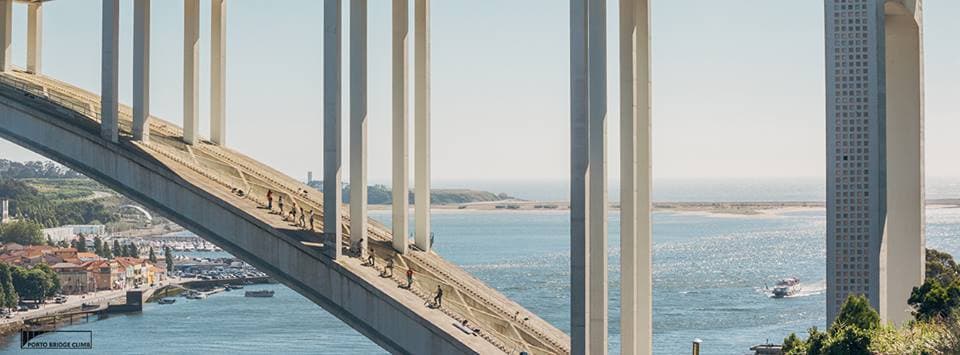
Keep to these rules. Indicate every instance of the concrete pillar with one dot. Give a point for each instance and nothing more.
(400, 175)
(218, 58)
(191, 70)
(141, 70)
(34, 37)
(597, 63)
(358, 121)
(332, 196)
(6, 32)
(421, 124)
(109, 71)
(635, 179)
(579, 180)
(905, 229)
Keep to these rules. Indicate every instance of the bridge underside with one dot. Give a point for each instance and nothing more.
(198, 187)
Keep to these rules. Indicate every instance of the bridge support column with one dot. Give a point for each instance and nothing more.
(191, 70)
(579, 180)
(332, 196)
(141, 70)
(34, 36)
(109, 71)
(635, 179)
(358, 121)
(400, 165)
(218, 57)
(6, 33)
(597, 62)
(588, 220)
(421, 125)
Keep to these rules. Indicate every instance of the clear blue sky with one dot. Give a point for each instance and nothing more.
(738, 84)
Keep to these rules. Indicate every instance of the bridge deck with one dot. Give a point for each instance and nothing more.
(224, 172)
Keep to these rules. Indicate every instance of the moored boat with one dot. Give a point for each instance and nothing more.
(259, 293)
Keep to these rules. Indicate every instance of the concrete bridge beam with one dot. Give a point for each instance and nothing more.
(399, 142)
(332, 125)
(358, 122)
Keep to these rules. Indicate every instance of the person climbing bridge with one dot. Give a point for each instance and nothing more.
(438, 298)
(409, 278)
(270, 200)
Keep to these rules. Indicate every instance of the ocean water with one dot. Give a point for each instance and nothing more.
(709, 277)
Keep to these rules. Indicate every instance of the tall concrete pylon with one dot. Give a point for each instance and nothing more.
(191, 71)
(358, 122)
(141, 70)
(401, 177)
(109, 71)
(218, 67)
(34, 37)
(421, 125)
(332, 125)
(636, 285)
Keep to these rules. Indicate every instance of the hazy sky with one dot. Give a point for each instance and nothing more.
(738, 84)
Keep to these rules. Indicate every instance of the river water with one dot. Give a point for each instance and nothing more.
(710, 272)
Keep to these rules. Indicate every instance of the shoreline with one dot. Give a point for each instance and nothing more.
(723, 208)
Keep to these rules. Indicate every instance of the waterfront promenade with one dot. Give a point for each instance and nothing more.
(76, 301)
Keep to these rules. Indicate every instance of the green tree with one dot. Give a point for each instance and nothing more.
(152, 257)
(934, 300)
(81, 243)
(793, 345)
(134, 251)
(125, 250)
(22, 232)
(10, 297)
(168, 256)
(30, 284)
(941, 267)
(51, 280)
(848, 339)
(50, 242)
(857, 312)
(63, 244)
(815, 341)
(116, 248)
(98, 246)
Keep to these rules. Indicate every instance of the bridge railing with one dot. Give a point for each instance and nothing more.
(40, 92)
